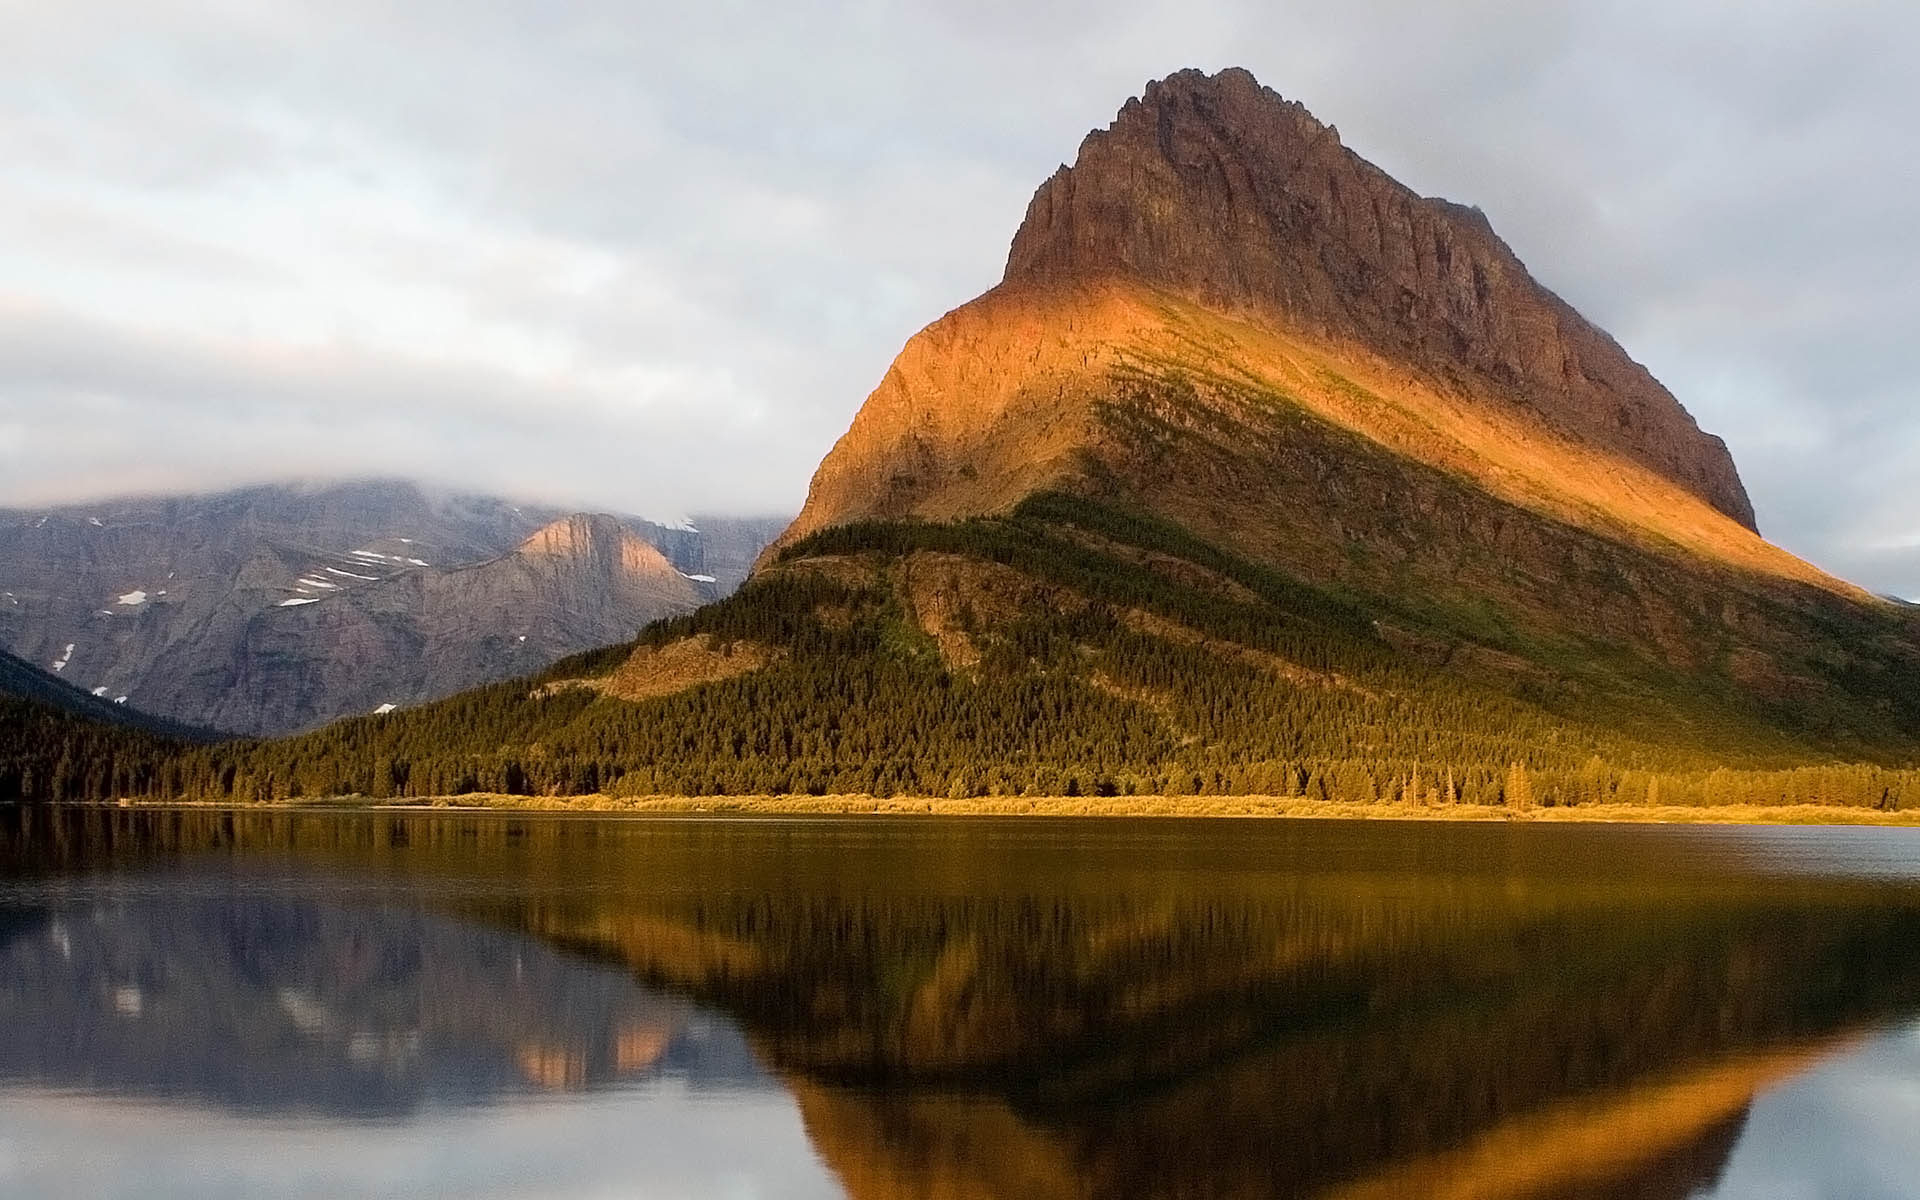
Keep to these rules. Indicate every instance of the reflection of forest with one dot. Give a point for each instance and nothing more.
(960, 1017)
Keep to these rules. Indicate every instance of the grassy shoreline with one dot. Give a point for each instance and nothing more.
(1079, 806)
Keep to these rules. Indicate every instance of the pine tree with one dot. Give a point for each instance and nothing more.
(1519, 793)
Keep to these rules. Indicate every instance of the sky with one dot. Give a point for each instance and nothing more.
(652, 257)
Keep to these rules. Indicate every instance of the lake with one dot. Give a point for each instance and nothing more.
(236, 1004)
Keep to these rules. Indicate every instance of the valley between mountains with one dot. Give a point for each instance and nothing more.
(1258, 474)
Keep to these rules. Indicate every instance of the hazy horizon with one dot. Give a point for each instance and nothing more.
(652, 260)
(430, 488)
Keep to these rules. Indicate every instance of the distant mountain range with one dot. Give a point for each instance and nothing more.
(274, 609)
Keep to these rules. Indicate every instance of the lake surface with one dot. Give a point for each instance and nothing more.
(208, 1004)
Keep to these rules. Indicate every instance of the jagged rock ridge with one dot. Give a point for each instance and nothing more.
(1218, 188)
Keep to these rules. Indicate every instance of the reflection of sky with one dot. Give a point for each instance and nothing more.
(1817, 851)
(656, 1142)
(1848, 1130)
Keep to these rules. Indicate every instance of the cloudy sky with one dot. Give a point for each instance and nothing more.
(652, 256)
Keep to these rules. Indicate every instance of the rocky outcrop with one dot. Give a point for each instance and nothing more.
(1217, 188)
(587, 563)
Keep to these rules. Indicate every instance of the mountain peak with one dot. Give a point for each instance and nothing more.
(575, 534)
(1220, 190)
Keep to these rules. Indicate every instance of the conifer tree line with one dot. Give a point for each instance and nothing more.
(1064, 700)
(48, 754)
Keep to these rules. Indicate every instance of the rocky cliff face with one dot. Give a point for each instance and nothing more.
(272, 609)
(1218, 189)
(580, 582)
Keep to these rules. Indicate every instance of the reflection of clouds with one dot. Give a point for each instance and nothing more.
(640, 1142)
(1843, 1131)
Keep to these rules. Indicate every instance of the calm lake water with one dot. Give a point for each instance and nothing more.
(381, 1004)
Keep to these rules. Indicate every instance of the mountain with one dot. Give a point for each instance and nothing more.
(273, 609)
(408, 636)
(1214, 192)
(1222, 317)
(1257, 473)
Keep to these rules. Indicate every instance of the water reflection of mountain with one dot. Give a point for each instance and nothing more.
(274, 1004)
(963, 1012)
(1260, 1050)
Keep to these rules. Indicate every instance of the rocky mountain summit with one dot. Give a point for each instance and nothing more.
(273, 609)
(1220, 190)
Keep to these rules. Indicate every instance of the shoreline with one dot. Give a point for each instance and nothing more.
(1242, 807)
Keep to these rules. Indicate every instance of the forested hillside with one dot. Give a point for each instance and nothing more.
(1069, 649)
(60, 743)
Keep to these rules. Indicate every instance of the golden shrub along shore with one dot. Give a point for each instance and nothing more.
(1093, 806)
